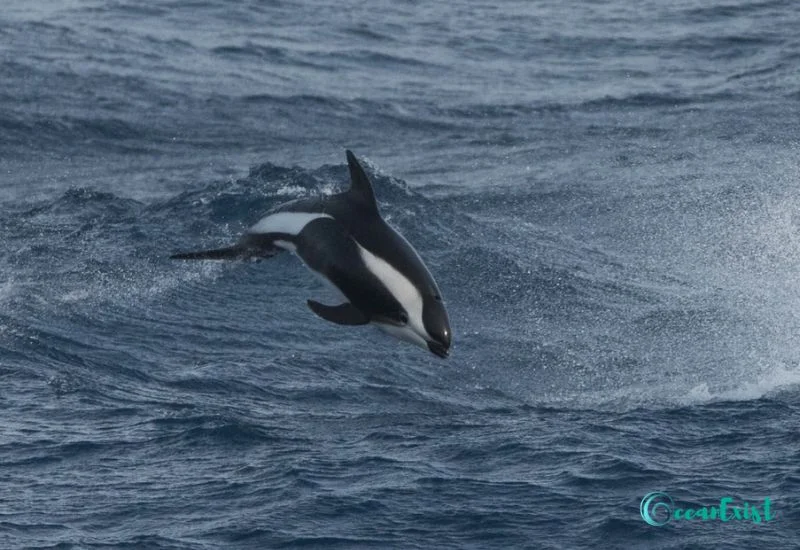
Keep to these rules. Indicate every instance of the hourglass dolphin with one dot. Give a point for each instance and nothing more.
(344, 239)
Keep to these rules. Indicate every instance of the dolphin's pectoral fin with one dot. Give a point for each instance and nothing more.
(344, 314)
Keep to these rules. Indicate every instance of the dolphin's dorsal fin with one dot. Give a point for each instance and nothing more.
(360, 186)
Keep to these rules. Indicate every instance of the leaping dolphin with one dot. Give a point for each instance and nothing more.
(344, 239)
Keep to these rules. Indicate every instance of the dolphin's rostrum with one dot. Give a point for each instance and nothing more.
(344, 239)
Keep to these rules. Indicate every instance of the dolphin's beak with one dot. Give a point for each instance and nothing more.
(438, 349)
(439, 335)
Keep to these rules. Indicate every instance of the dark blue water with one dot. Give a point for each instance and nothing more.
(607, 194)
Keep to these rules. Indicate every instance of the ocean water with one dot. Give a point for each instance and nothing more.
(606, 193)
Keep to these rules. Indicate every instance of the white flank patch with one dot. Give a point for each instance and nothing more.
(404, 292)
(290, 223)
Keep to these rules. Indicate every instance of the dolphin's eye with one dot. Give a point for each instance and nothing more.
(437, 298)
(403, 316)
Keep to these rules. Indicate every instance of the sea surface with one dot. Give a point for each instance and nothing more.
(608, 194)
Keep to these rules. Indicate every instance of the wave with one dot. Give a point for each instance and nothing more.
(649, 100)
(732, 10)
(515, 291)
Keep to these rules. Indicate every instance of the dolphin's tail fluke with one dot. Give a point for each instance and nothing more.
(230, 253)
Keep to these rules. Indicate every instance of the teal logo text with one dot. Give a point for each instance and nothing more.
(658, 509)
